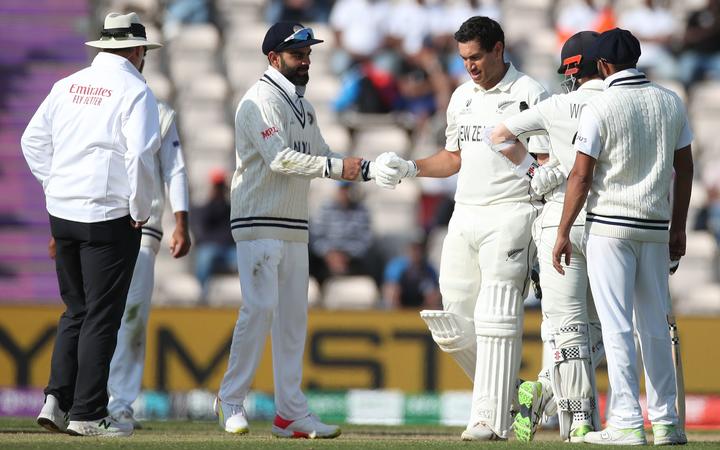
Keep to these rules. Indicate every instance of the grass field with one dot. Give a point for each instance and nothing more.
(24, 433)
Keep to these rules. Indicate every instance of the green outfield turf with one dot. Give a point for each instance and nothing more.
(24, 433)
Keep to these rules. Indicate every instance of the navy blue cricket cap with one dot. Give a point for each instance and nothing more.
(286, 36)
(616, 46)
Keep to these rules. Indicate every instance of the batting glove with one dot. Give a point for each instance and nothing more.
(390, 169)
(546, 178)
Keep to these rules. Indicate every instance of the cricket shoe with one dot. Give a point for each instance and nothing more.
(232, 418)
(531, 406)
(617, 436)
(51, 417)
(579, 431)
(126, 416)
(668, 435)
(308, 427)
(105, 427)
(480, 432)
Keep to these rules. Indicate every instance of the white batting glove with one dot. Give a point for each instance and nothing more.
(390, 169)
(546, 178)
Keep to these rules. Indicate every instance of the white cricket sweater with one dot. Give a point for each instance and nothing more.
(640, 125)
(279, 149)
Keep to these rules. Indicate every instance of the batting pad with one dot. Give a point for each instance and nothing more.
(573, 377)
(498, 325)
(454, 335)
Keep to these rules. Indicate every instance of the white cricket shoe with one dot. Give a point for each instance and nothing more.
(51, 417)
(126, 416)
(668, 435)
(232, 418)
(309, 427)
(480, 432)
(106, 426)
(617, 436)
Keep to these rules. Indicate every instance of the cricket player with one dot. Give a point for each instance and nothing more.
(128, 362)
(279, 149)
(630, 138)
(570, 322)
(488, 252)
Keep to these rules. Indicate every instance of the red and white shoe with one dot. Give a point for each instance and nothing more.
(308, 427)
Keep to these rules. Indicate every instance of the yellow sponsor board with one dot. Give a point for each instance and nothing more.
(188, 348)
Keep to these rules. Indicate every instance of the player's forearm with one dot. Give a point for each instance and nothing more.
(181, 220)
(291, 162)
(440, 165)
(683, 165)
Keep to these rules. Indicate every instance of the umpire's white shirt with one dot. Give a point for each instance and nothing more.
(485, 177)
(91, 143)
(557, 117)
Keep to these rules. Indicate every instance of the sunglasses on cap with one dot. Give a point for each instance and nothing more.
(304, 34)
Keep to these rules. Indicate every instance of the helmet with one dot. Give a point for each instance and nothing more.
(573, 62)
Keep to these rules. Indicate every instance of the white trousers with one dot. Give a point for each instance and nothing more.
(568, 302)
(485, 244)
(629, 279)
(484, 269)
(128, 362)
(274, 283)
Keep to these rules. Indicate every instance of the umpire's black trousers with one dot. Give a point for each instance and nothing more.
(94, 263)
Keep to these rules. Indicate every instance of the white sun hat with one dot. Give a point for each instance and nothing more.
(123, 31)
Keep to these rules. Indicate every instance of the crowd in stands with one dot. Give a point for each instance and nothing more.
(397, 59)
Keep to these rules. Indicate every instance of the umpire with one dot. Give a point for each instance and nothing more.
(91, 145)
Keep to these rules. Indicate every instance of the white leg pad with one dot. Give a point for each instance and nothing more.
(573, 377)
(498, 325)
(455, 335)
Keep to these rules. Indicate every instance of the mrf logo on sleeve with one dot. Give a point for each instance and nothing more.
(269, 132)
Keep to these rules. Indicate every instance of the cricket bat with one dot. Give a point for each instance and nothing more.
(679, 378)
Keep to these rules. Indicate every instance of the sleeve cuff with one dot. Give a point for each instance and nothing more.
(333, 168)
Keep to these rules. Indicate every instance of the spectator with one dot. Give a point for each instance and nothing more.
(215, 248)
(298, 10)
(341, 237)
(181, 12)
(700, 55)
(458, 12)
(709, 216)
(360, 32)
(583, 16)
(654, 25)
(410, 281)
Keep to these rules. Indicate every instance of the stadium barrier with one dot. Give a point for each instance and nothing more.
(187, 349)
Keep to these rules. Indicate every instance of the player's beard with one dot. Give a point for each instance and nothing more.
(292, 74)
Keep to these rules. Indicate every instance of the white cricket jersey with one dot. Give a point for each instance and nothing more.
(92, 140)
(279, 149)
(557, 117)
(170, 174)
(633, 130)
(487, 178)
